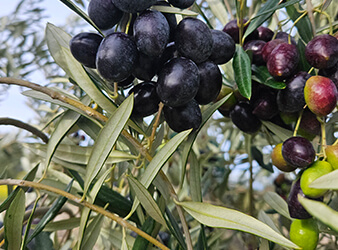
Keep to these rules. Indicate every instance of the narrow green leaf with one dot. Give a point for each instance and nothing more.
(280, 132)
(262, 216)
(242, 68)
(277, 203)
(58, 45)
(263, 76)
(29, 177)
(219, 11)
(13, 221)
(216, 216)
(90, 231)
(81, 13)
(258, 156)
(174, 10)
(106, 140)
(147, 201)
(321, 211)
(158, 161)
(261, 18)
(187, 145)
(80, 155)
(175, 229)
(195, 178)
(328, 181)
(147, 227)
(63, 126)
(41, 96)
(67, 224)
(161, 157)
(303, 25)
(303, 63)
(50, 215)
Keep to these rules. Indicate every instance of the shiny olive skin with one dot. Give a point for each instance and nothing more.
(210, 82)
(269, 47)
(116, 57)
(285, 37)
(146, 67)
(242, 116)
(193, 39)
(224, 47)
(309, 125)
(133, 6)
(320, 95)
(296, 210)
(171, 18)
(178, 82)
(291, 99)
(184, 117)
(182, 4)
(283, 61)
(331, 73)
(151, 32)
(298, 151)
(265, 105)
(104, 13)
(84, 47)
(256, 47)
(322, 51)
(146, 99)
(233, 30)
(264, 34)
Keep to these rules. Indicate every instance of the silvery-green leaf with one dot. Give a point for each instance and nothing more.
(277, 203)
(328, 181)
(216, 216)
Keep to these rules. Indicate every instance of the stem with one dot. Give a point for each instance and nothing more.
(227, 5)
(240, 22)
(298, 122)
(309, 8)
(97, 115)
(323, 143)
(251, 192)
(25, 126)
(157, 121)
(328, 18)
(294, 24)
(100, 210)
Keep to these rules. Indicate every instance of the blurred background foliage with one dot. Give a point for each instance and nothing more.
(220, 148)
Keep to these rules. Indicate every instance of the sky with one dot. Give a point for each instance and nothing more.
(14, 105)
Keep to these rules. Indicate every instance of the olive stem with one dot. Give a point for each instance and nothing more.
(323, 132)
(25, 126)
(240, 23)
(100, 210)
(156, 123)
(294, 24)
(298, 122)
(309, 8)
(116, 93)
(328, 18)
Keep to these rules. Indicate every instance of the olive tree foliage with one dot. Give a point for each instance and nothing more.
(126, 183)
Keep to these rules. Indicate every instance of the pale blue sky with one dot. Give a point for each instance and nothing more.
(14, 104)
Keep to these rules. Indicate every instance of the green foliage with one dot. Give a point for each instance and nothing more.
(191, 190)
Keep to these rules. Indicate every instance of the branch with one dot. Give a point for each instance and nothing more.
(25, 126)
(97, 115)
(100, 210)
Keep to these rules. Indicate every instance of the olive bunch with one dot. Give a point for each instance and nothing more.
(162, 60)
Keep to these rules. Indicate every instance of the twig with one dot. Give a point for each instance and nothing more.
(25, 126)
(97, 115)
(309, 8)
(157, 121)
(101, 210)
(227, 5)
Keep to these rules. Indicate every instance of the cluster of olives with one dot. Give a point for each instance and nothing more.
(162, 60)
(312, 97)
